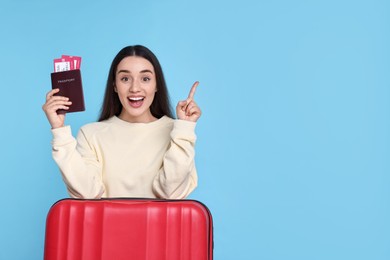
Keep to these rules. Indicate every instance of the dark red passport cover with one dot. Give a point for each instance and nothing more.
(70, 85)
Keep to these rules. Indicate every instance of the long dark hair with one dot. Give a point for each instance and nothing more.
(111, 104)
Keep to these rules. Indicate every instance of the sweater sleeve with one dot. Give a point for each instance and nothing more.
(178, 177)
(78, 163)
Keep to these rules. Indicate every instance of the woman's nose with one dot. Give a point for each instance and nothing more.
(134, 86)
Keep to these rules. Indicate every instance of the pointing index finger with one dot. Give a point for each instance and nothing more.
(192, 91)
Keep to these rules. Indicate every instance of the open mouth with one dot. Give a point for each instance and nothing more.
(136, 101)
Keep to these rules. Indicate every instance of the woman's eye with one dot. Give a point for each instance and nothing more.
(124, 79)
(146, 79)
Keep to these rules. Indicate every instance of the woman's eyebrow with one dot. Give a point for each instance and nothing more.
(142, 71)
(123, 71)
(146, 71)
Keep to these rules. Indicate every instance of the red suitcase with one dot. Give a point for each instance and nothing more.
(137, 229)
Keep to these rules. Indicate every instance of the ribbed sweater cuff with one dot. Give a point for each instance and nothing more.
(62, 134)
(184, 129)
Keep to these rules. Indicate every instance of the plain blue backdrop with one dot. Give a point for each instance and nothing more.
(294, 143)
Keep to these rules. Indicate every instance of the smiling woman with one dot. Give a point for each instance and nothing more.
(136, 87)
(136, 149)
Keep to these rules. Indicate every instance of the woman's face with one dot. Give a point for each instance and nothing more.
(135, 83)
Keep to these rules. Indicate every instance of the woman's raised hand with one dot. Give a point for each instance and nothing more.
(188, 109)
(52, 104)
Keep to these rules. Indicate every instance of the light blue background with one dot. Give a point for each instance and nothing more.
(294, 142)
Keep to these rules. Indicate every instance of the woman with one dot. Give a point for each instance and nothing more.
(136, 149)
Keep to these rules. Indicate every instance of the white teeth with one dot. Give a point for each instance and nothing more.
(136, 98)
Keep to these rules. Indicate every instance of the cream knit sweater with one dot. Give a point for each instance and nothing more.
(115, 158)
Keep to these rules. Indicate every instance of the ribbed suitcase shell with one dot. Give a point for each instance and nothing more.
(137, 229)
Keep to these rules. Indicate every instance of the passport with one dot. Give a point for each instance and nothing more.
(70, 84)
